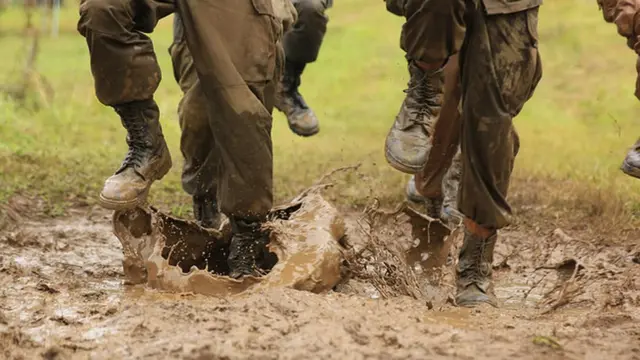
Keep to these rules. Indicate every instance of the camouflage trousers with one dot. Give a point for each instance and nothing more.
(236, 63)
(500, 68)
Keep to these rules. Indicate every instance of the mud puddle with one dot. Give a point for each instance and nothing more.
(62, 296)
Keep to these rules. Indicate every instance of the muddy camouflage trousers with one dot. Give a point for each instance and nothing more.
(234, 68)
(201, 162)
(500, 68)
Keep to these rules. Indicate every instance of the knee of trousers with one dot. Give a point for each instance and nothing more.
(104, 16)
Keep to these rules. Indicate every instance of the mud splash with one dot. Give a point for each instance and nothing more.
(62, 297)
(176, 255)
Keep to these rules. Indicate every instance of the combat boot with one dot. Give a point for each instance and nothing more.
(631, 163)
(474, 285)
(302, 120)
(206, 213)
(247, 244)
(148, 158)
(412, 192)
(450, 188)
(408, 142)
(444, 208)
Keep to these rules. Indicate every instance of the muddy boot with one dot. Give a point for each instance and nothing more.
(433, 206)
(631, 163)
(206, 213)
(302, 120)
(148, 158)
(408, 142)
(412, 192)
(450, 185)
(474, 271)
(246, 246)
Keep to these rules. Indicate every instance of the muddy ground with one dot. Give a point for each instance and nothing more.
(565, 293)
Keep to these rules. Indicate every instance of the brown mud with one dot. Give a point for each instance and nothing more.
(565, 294)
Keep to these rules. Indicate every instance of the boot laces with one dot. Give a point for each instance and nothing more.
(425, 95)
(291, 84)
(477, 272)
(433, 205)
(244, 249)
(137, 136)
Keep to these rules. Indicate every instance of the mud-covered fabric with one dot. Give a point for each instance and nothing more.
(509, 6)
(197, 144)
(398, 7)
(500, 67)
(448, 16)
(303, 41)
(445, 141)
(236, 63)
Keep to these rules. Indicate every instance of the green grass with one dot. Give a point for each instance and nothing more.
(577, 127)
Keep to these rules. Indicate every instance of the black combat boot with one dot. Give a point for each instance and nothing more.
(247, 246)
(148, 158)
(474, 285)
(631, 163)
(302, 120)
(408, 142)
(206, 213)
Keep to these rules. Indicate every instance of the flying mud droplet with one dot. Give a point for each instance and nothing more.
(177, 255)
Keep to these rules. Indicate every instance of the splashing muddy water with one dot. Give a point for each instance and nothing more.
(179, 256)
(62, 296)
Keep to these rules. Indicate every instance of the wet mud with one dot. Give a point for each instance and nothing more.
(170, 254)
(564, 294)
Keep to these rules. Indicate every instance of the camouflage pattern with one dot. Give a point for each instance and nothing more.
(626, 15)
(500, 67)
(237, 62)
(399, 7)
(422, 16)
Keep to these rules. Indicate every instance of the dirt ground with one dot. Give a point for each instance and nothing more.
(565, 294)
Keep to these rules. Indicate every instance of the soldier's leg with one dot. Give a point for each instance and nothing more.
(301, 45)
(235, 52)
(434, 31)
(437, 182)
(200, 169)
(500, 70)
(126, 75)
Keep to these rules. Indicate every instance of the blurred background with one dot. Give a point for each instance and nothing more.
(58, 144)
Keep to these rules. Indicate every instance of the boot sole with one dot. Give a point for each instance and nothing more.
(472, 304)
(630, 170)
(400, 166)
(305, 134)
(117, 205)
